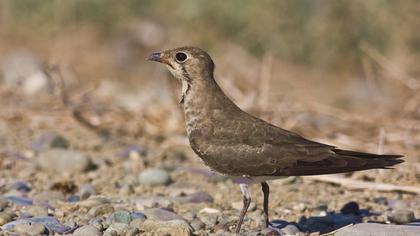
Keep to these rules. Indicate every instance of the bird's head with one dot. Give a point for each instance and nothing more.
(186, 63)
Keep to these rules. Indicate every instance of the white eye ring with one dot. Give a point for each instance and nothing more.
(181, 57)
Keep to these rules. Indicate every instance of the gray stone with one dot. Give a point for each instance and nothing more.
(6, 217)
(64, 161)
(132, 232)
(400, 216)
(101, 210)
(49, 141)
(121, 217)
(3, 204)
(87, 230)
(35, 210)
(137, 223)
(365, 229)
(92, 202)
(23, 69)
(171, 227)
(197, 224)
(119, 228)
(210, 220)
(86, 191)
(154, 176)
(29, 229)
(161, 214)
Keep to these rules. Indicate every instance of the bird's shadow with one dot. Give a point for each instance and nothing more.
(328, 223)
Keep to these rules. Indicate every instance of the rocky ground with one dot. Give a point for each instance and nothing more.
(87, 165)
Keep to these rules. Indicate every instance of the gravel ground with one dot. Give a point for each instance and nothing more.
(60, 176)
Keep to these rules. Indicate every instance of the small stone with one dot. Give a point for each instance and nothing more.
(138, 215)
(97, 223)
(171, 227)
(238, 206)
(291, 229)
(50, 141)
(380, 200)
(161, 214)
(101, 210)
(92, 202)
(154, 176)
(210, 220)
(17, 200)
(350, 208)
(64, 161)
(210, 210)
(197, 224)
(119, 228)
(400, 216)
(35, 210)
(6, 217)
(3, 204)
(132, 232)
(87, 230)
(126, 190)
(121, 217)
(30, 229)
(137, 223)
(86, 191)
(378, 229)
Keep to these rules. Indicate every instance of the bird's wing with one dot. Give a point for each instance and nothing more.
(266, 150)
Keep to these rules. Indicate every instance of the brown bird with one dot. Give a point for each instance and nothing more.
(239, 145)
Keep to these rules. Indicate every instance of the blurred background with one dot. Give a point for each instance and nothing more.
(345, 71)
(73, 77)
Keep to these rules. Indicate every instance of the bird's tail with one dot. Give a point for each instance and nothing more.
(347, 161)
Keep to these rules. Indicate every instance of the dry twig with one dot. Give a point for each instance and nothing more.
(357, 184)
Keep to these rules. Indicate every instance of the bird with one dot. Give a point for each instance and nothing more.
(239, 145)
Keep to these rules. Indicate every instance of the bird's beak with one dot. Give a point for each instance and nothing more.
(159, 57)
(156, 56)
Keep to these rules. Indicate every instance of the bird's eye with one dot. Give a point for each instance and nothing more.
(181, 57)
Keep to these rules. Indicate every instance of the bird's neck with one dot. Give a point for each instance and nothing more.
(204, 103)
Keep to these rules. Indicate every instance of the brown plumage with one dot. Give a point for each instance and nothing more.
(237, 144)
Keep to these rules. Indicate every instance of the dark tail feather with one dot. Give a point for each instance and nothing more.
(346, 161)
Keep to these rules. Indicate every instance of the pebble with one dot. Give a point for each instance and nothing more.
(86, 191)
(87, 230)
(119, 228)
(171, 227)
(161, 214)
(92, 202)
(378, 229)
(155, 176)
(138, 215)
(132, 232)
(29, 229)
(137, 223)
(350, 208)
(153, 202)
(6, 217)
(4, 203)
(64, 161)
(400, 216)
(101, 210)
(20, 186)
(209, 220)
(19, 200)
(35, 210)
(120, 217)
(97, 222)
(197, 224)
(49, 141)
(126, 189)
(197, 197)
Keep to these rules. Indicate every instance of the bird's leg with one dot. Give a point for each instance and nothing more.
(247, 201)
(266, 191)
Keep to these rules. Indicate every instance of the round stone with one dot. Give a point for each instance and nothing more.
(154, 176)
(400, 216)
(87, 230)
(29, 229)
